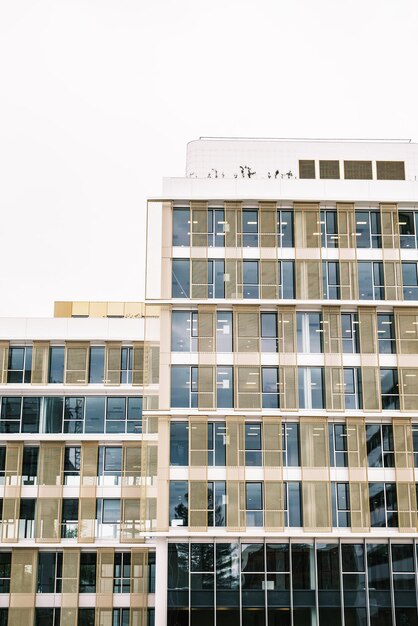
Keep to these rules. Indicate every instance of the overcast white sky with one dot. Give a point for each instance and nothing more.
(98, 99)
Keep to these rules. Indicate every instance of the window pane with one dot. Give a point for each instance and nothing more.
(95, 409)
(180, 331)
(180, 282)
(179, 443)
(180, 386)
(181, 227)
(96, 366)
(56, 365)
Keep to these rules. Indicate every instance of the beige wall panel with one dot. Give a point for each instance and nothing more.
(248, 387)
(40, 356)
(12, 487)
(371, 388)
(70, 586)
(406, 326)
(268, 224)
(408, 388)
(346, 225)
(76, 363)
(286, 320)
(389, 226)
(112, 363)
(367, 330)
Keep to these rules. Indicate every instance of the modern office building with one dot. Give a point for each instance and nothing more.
(241, 448)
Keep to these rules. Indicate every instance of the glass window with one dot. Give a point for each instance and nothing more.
(338, 445)
(109, 465)
(383, 505)
(2, 464)
(389, 389)
(86, 617)
(254, 503)
(216, 226)
(179, 443)
(250, 228)
(340, 494)
(10, 414)
(286, 280)
(291, 444)
(72, 458)
(216, 278)
(270, 387)
(120, 617)
(311, 387)
(407, 229)
(108, 517)
(224, 387)
(180, 386)
(331, 280)
(30, 465)
(95, 411)
(352, 388)
(178, 506)
(54, 409)
(126, 359)
(253, 454)
(47, 616)
(402, 557)
(410, 281)
(19, 365)
(56, 364)
(115, 414)
(368, 229)
(69, 518)
(269, 332)
(216, 444)
(96, 365)
(309, 332)
(27, 518)
(250, 279)
(180, 278)
(87, 572)
(224, 331)
(134, 415)
(386, 333)
(217, 503)
(285, 229)
(181, 226)
(349, 328)
(329, 229)
(48, 580)
(371, 280)
(31, 408)
(122, 572)
(181, 331)
(5, 573)
(74, 415)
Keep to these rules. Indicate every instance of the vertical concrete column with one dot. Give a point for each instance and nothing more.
(161, 580)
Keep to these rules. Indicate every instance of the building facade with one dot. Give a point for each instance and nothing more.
(242, 447)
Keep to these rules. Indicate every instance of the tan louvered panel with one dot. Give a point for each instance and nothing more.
(367, 325)
(233, 279)
(273, 475)
(307, 225)
(393, 280)
(235, 472)
(139, 587)
(248, 387)
(232, 224)
(76, 363)
(405, 475)
(88, 482)
(288, 387)
(408, 388)
(132, 469)
(370, 379)
(268, 224)
(247, 324)
(358, 170)
(316, 496)
(104, 584)
(206, 329)
(163, 473)
(406, 327)
(151, 364)
(199, 225)
(199, 279)
(269, 279)
(286, 318)
(40, 355)
(390, 226)
(22, 587)
(308, 279)
(70, 586)
(306, 169)
(329, 169)
(198, 470)
(206, 387)
(131, 515)
(4, 358)
(49, 504)
(137, 363)
(390, 170)
(357, 473)
(346, 226)
(12, 490)
(348, 280)
(113, 363)
(334, 387)
(331, 330)
(149, 470)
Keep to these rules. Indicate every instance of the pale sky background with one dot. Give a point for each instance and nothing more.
(98, 99)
